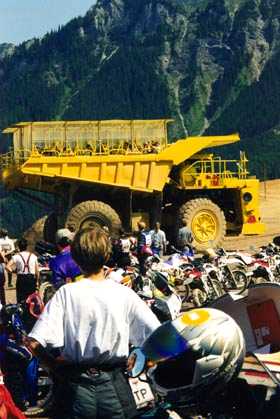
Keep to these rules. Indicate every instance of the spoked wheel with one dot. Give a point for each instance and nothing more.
(206, 221)
(199, 297)
(46, 291)
(184, 292)
(44, 395)
(217, 289)
(241, 280)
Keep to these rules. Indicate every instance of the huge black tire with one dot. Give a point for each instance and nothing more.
(206, 221)
(43, 229)
(35, 233)
(50, 227)
(92, 213)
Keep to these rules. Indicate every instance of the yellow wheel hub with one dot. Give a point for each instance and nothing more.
(204, 226)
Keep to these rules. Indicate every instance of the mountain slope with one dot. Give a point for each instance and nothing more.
(212, 66)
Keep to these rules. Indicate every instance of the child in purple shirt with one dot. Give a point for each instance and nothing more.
(63, 266)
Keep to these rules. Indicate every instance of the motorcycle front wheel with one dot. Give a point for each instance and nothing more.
(216, 289)
(199, 297)
(44, 395)
(241, 281)
(184, 292)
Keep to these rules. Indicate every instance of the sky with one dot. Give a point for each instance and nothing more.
(21, 20)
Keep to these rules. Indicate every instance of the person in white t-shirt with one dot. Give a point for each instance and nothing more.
(25, 264)
(7, 246)
(93, 321)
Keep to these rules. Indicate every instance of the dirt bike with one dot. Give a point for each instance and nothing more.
(28, 382)
(232, 272)
(257, 267)
(160, 296)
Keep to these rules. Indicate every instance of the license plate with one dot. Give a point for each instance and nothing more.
(141, 391)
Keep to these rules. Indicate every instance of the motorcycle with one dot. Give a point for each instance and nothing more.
(257, 267)
(160, 296)
(233, 273)
(28, 382)
(46, 251)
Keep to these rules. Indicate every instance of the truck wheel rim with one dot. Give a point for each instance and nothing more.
(204, 226)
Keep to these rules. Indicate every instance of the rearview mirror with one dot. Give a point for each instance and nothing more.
(136, 363)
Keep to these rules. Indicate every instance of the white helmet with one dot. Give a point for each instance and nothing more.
(194, 355)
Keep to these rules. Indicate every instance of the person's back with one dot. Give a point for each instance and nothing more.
(185, 237)
(92, 321)
(122, 248)
(158, 240)
(63, 267)
(25, 265)
(114, 312)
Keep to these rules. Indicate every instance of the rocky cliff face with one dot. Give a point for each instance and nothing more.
(6, 50)
(211, 65)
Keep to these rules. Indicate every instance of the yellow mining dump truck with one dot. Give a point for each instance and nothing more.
(117, 171)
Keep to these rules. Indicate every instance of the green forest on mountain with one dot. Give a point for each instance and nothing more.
(211, 66)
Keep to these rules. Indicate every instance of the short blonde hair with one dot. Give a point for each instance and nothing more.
(91, 249)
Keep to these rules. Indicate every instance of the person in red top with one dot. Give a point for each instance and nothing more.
(8, 409)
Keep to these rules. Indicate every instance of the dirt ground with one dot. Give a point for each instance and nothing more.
(270, 213)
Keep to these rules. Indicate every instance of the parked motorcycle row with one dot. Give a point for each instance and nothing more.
(200, 280)
(171, 285)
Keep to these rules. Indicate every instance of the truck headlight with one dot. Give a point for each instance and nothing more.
(247, 197)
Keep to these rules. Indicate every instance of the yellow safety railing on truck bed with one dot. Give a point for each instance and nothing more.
(63, 138)
(94, 148)
(18, 157)
(13, 158)
(214, 171)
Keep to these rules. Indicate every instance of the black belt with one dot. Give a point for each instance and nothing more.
(89, 368)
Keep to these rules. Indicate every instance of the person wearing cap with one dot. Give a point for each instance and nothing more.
(64, 268)
(93, 321)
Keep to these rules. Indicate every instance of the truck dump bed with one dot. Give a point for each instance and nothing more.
(129, 154)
